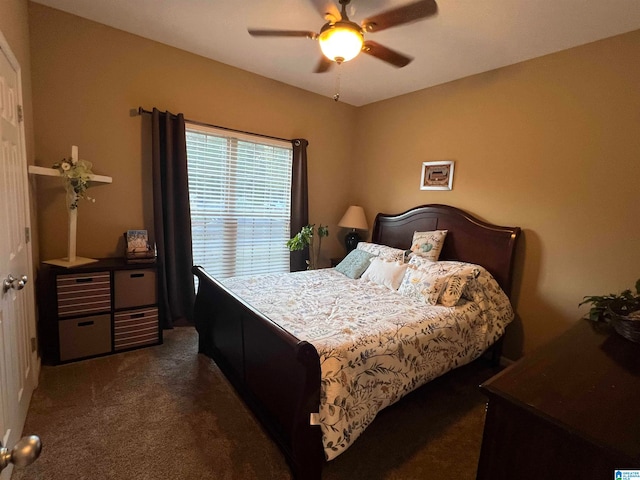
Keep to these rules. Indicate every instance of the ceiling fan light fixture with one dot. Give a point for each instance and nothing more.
(341, 41)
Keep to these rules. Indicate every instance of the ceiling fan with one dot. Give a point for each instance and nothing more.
(342, 40)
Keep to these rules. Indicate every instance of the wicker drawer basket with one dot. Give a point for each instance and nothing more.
(135, 328)
(83, 293)
(626, 325)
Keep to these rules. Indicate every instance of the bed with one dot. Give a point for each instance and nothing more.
(279, 375)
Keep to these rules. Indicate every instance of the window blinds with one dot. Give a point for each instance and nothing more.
(240, 198)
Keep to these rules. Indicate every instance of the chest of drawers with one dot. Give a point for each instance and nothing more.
(97, 309)
(568, 410)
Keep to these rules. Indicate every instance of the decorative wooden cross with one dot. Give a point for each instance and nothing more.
(71, 260)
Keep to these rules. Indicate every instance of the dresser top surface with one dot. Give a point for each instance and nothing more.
(587, 380)
(112, 263)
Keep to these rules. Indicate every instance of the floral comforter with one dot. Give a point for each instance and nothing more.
(375, 345)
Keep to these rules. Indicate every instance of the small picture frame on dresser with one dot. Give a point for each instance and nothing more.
(137, 248)
(136, 240)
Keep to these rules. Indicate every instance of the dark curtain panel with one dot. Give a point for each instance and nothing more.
(299, 200)
(172, 217)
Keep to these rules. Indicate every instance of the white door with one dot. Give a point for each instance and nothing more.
(18, 362)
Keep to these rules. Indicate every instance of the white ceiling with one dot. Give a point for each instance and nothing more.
(465, 37)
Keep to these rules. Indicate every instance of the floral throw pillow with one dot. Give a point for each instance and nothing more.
(437, 282)
(421, 285)
(419, 262)
(458, 275)
(382, 251)
(355, 263)
(428, 244)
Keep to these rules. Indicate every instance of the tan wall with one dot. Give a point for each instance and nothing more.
(86, 79)
(551, 145)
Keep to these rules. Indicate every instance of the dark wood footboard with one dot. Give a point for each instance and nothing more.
(277, 375)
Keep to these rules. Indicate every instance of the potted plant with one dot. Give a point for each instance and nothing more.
(623, 304)
(621, 310)
(305, 237)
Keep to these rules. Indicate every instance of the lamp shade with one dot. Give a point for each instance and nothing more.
(354, 218)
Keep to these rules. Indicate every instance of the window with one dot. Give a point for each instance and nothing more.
(240, 198)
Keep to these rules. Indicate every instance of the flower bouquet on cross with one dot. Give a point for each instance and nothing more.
(76, 174)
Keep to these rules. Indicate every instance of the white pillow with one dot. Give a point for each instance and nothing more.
(382, 251)
(385, 273)
(428, 244)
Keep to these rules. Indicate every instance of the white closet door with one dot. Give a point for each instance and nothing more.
(17, 323)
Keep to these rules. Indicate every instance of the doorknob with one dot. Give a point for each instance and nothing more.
(15, 283)
(24, 453)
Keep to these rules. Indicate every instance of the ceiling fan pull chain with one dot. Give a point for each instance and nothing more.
(336, 96)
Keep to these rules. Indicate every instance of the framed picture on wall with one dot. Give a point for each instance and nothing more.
(437, 175)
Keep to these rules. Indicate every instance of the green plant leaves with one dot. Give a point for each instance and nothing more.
(304, 238)
(624, 302)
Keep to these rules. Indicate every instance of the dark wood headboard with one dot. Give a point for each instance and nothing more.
(468, 239)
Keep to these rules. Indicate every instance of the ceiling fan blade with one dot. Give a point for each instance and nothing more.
(323, 65)
(386, 54)
(282, 33)
(401, 15)
(327, 7)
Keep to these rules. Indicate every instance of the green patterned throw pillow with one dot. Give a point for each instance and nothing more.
(354, 264)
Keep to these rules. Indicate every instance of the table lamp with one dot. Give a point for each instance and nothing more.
(355, 219)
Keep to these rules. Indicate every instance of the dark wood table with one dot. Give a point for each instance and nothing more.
(570, 410)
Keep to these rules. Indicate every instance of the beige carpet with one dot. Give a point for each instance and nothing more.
(166, 412)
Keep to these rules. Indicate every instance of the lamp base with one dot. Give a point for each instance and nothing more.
(351, 240)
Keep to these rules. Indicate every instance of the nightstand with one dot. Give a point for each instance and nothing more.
(336, 260)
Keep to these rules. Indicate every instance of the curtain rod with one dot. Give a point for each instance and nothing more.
(203, 124)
